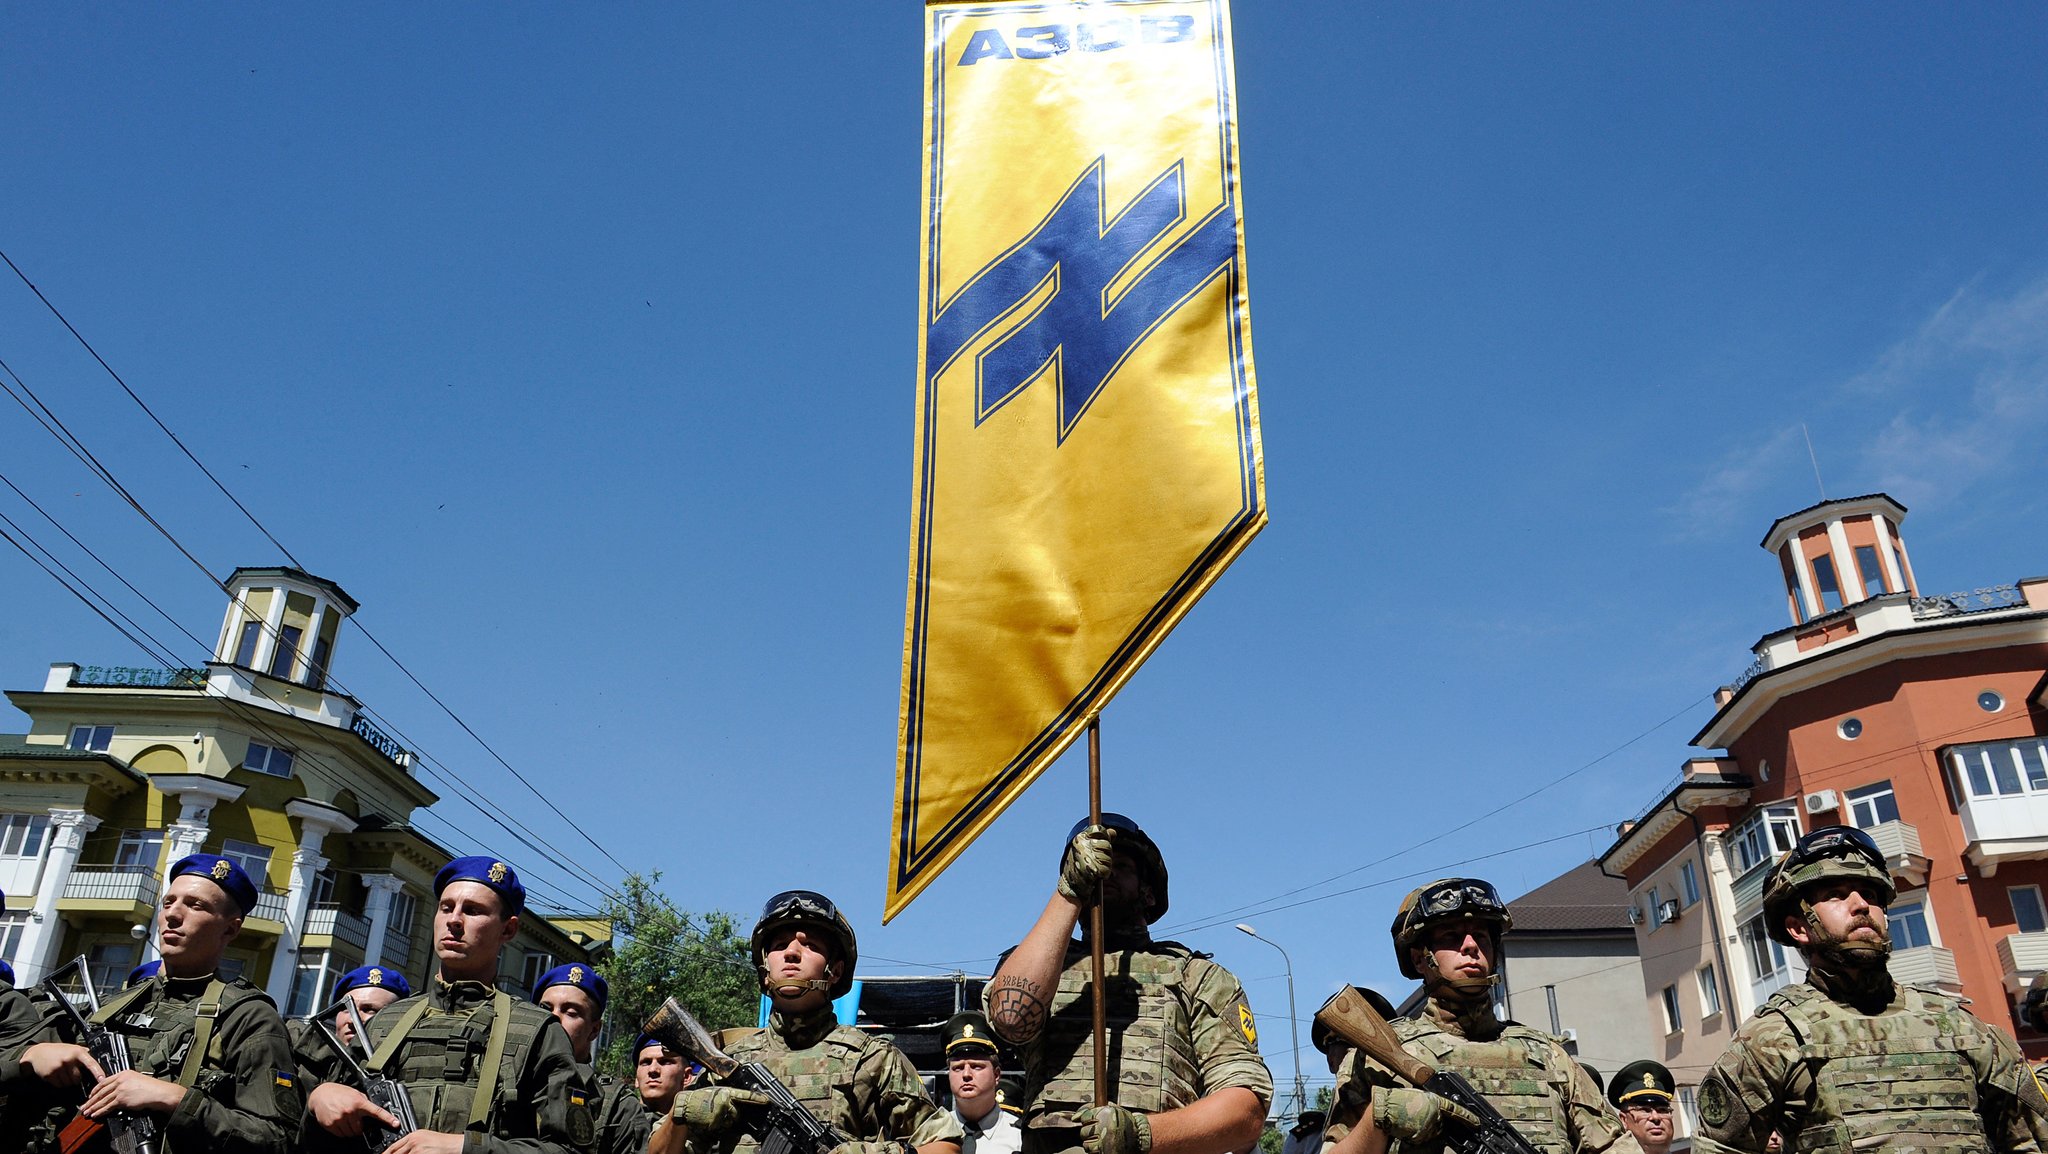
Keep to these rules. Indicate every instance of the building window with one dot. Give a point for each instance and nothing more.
(2005, 769)
(1656, 908)
(95, 738)
(1764, 835)
(2028, 914)
(1850, 729)
(1870, 569)
(139, 851)
(323, 890)
(1710, 991)
(1990, 702)
(1689, 884)
(1873, 805)
(1824, 580)
(254, 859)
(13, 928)
(405, 910)
(1689, 1109)
(109, 963)
(1909, 925)
(537, 963)
(1673, 1023)
(21, 835)
(286, 653)
(264, 759)
(245, 649)
(316, 669)
(1766, 957)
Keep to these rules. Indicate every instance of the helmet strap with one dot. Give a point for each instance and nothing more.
(1845, 953)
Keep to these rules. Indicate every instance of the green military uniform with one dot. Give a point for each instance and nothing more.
(1521, 1072)
(849, 1079)
(221, 1040)
(1911, 1071)
(311, 1052)
(623, 1123)
(441, 1046)
(1180, 1030)
(23, 1100)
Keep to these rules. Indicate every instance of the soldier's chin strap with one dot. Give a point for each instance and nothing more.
(1849, 951)
(794, 989)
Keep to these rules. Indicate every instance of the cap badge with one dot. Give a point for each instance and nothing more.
(575, 975)
(220, 870)
(497, 872)
(1649, 1080)
(376, 977)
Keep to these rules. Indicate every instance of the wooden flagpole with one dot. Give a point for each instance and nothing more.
(1095, 916)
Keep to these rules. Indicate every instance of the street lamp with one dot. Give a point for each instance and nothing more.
(1293, 1026)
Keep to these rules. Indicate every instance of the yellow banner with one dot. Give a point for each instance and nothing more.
(1088, 454)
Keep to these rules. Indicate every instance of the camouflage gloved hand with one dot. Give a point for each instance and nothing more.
(870, 1148)
(1086, 864)
(713, 1109)
(1415, 1115)
(1113, 1129)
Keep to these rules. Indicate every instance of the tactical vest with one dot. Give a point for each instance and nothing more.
(1521, 1073)
(1152, 1061)
(822, 1076)
(175, 1038)
(1893, 1081)
(442, 1059)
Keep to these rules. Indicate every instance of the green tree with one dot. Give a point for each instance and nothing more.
(702, 961)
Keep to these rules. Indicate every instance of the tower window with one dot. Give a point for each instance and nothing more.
(287, 651)
(245, 649)
(1824, 581)
(1870, 569)
(93, 738)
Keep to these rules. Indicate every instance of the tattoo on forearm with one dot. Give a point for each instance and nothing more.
(1016, 1008)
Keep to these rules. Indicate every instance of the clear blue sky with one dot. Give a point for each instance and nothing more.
(577, 343)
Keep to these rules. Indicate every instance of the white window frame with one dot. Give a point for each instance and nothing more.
(91, 738)
(1762, 833)
(1864, 795)
(537, 962)
(22, 835)
(129, 855)
(2025, 760)
(253, 857)
(1710, 991)
(13, 927)
(1689, 884)
(1917, 898)
(1674, 1018)
(1757, 943)
(268, 759)
(1656, 909)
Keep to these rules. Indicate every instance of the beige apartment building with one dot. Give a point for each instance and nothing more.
(256, 757)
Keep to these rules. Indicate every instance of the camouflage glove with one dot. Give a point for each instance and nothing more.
(1415, 1115)
(1086, 864)
(873, 1148)
(1113, 1129)
(713, 1109)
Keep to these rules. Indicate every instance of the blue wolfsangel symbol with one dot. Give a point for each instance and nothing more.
(1079, 331)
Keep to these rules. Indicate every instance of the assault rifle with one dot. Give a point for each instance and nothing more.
(132, 1133)
(387, 1094)
(1352, 1018)
(784, 1126)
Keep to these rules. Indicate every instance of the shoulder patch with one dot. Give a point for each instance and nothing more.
(1245, 1024)
(1713, 1102)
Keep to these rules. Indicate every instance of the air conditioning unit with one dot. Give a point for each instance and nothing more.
(1635, 914)
(1668, 912)
(1822, 801)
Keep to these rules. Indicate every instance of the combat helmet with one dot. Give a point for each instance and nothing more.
(1141, 846)
(811, 911)
(1443, 900)
(1830, 853)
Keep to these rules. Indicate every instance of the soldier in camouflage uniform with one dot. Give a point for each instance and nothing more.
(805, 953)
(1448, 935)
(659, 1074)
(21, 1020)
(1184, 1066)
(486, 1073)
(210, 1058)
(371, 988)
(576, 995)
(1850, 1059)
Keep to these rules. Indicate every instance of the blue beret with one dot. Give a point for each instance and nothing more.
(144, 972)
(222, 872)
(486, 871)
(647, 1040)
(371, 978)
(7, 975)
(580, 976)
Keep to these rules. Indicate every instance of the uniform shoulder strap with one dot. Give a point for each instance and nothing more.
(388, 1048)
(203, 1020)
(120, 1002)
(494, 1058)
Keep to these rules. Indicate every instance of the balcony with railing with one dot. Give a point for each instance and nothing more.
(1899, 842)
(397, 950)
(111, 888)
(2003, 792)
(2020, 957)
(1927, 966)
(270, 904)
(339, 925)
